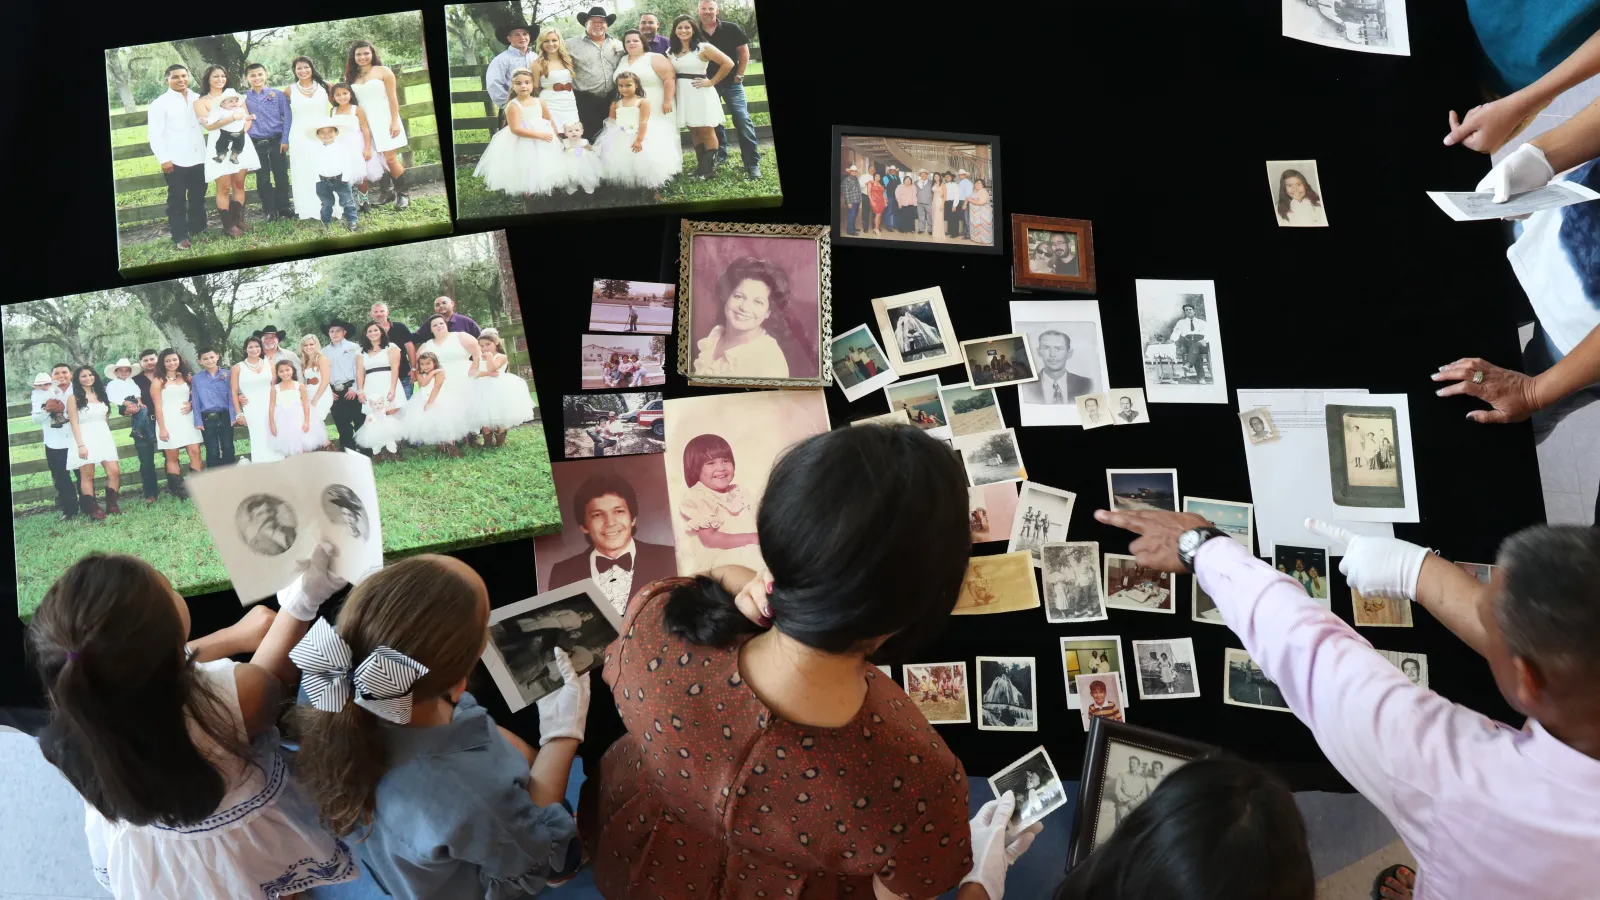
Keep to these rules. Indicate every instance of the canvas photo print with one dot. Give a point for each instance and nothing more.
(972, 410)
(1034, 782)
(291, 139)
(1414, 665)
(1009, 700)
(1000, 583)
(923, 406)
(1132, 586)
(1244, 684)
(859, 366)
(1181, 342)
(991, 457)
(1069, 354)
(998, 361)
(1072, 587)
(616, 527)
(925, 189)
(1306, 565)
(1297, 194)
(556, 108)
(612, 424)
(1143, 489)
(632, 307)
(1099, 656)
(405, 380)
(621, 361)
(991, 509)
(523, 636)
(1166, 669)
(916, 327)
(939, 691)
(1043, 513)
(1052, 254)
(1364, 463)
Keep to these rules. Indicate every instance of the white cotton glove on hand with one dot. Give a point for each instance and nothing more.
(564, 711)
(996, 844)
(1375, 566)
(1523, 170)
(315, 584)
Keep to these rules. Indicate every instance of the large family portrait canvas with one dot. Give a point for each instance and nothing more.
(284, 139)
(580, 106)
(929, 190)
(116, 396)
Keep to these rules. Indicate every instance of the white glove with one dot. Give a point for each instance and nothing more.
(316, 583)
(1375, 566)
(1524, 169)
(996, 844)
(564, 711)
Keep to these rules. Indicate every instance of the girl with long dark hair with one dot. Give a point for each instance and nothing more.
(378, 92)
(87, 411)
(175, 428)
(755, 332)
(227, 172)
(1298, 202)
(697, 105)
(308, 99)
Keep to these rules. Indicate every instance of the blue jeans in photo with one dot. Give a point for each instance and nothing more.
(405, 385)
(218, 434)
(330, 188)
(851, 212)
(733, 93)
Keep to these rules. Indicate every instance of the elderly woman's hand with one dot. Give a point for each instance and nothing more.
(1510, 393)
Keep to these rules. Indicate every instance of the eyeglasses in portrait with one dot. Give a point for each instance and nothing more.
(927, 190)
(1052, 254)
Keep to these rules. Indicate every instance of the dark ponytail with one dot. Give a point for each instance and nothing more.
(703, 613)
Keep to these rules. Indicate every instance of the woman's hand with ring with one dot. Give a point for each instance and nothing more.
(1512, 394)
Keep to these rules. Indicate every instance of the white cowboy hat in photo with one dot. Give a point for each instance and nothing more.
(122, 363)
(230, 92)
(961, 171)
(597, 10)
(41, 378)
(310, 127)
(852, 168)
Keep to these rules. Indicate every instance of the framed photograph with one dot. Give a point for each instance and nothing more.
(1307, 565)
(992, 508)
(972, 410)
(1094, 410)
(1415, 665)
(1052, 254)
(1481, 571)
(892, 417)
(1034, 782)
(207, 175)
(755, 304)
(929, 190)
(1121, 766)
(596, 425)
(916, 327)
(1000, 583)
(1201, 607)
(610, 507)
(1166, 669)
(1068, 352)
(518, 64)
(1127, 406)
(1296, 193)
(998, 361)
(923, 405)
(1104, 693)
(991, 457)
(1258, 425)
(1243, 683)
(1364, 456)
(1237, 519)
(1094, 655)
(632, 307)
(1181, 342)
(859, 366)
(1136, 489)
(1379, 612)
(1373, 26)
(520, 655)
(253, 318)
(1129, 585)
(939, 691)
(1073, 591)
(1043, 513)
(1009, 699)
(620, 361)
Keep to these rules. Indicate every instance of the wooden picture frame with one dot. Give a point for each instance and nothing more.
(1091, 781)
(1022, 279)
(880, 140)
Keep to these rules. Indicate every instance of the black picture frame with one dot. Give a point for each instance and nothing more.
(1091, 781)
(836, 210)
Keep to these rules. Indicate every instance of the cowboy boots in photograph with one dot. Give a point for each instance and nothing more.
(402, 198)
(90, 508)
(175, 485)
(113, 504)
(383, 190)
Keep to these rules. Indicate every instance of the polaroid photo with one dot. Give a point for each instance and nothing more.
(1481, 571)
(1129, 585)
(1092, 655)
(1296, 193)
(1166, 669)
(1042, 516)
(595, 425)
(607, 505)
(923, 406)
(938, 691)
(1143, 489)
(1307, 565)
(523, 636)
(1073, 591)
(1243, 684)
(1380, 612)
(1104, 693)
(859, 366)
(1034, 782)
(620, 361)
(1000, 583)
(632, 307)
(1471, 206)
(1009, 697)
(1370, 26)
(916, 331)
(991, 457)
(998, 361)
(1052, 254)
(1237, 519)
(1258, 425)
(918, 190)
(892, 417)
(992, 509)
(1201, 607)
(1094, 410)
(972, 410)
(1127, 406)
(1181, 342)
(1371, 468)
(1415, 665)
(1069, 353)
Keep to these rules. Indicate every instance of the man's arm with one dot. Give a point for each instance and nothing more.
(1453, 597)
(495, 82)
(742, 56)
(155, 128)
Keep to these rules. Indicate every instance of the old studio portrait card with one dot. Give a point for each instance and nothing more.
(990, 456)
(859, 366)
(612, 424)
(1369, 26)
(1415, 665)
(523, 636)
(632, 306)
(1008, 697)
(1127, 406)
(997, 584)
(1129, 585)
(992, 508)
(923, 405)
(1143, 489)
(972, 410)
(998, 361)
(1296, 193)
(1237, 519)
(1258, 425)
(1094, 410)
(1306, 565)
(939, 691)
(613, 509)
(1073, 591)
(1122, 766)
(1380, 612)
(1099, 655)
(916, 330)
(1052, 254)
(928, 190)
(1180, 340)
(1166, 669)
(1370, 465)
(1034, 782)
(219, 143)
(1243, 683)
(1104, 696)
(1068, 352)
(1043, 513)
(755, 304)
(565, 110)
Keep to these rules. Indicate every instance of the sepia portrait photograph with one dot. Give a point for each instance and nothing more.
(1000, 583)
(992, 508)
(620, 361)
(1143, 489)
(1297, 194)
(755, 307)
(1414, 665)
(939, 691)
(1127, 406)
(923, 405)
(998, 361)
(612, 424)
(1122, 767)
(616, 527)
(1094, 410)
(1166, 669)
(1052, 254)
(972, 410)
(1008, 699)
(1380, 612)
(1129, 585)
(929, 190)
(1069, 355)
(520, 655)
(1043, 513)
(1306, 565)
(1099, 655)
(1181, 342)
(1072, 588)
(859, 366)
(1034, 782)
(632, 307)
(1258, 425)
(1104, 696)
(1237, 519)
(916, 327)
(1367, 26)
(1243, 683)
(991, 457)
(1364, 456)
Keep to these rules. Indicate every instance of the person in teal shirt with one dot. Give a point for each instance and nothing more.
(1536, 50)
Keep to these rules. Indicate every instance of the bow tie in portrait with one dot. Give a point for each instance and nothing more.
(623, 562)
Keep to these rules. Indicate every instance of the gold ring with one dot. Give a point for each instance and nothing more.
(1477, 376)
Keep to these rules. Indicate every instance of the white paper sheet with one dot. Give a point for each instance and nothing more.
(1408, 471)
(266, 517)
(1366, 26)
(1469, 206)
(1289, 477)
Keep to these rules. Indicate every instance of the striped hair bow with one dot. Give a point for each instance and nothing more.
(380, 685)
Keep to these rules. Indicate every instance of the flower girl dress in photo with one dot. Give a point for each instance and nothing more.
(445, 422)
(289, 418)
(582, 163)
(517, 164)
(502, 401)
(650, 168)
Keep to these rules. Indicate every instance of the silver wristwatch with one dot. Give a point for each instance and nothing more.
(1190, 541)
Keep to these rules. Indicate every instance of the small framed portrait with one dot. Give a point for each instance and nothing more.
(1073, 591)
(1052, 254)
(859, 366)
(1308, 566)
(1093, 410)
(1166, 669)
(929, 190)
(621, 361)
(1000, 583)
(595, 425)
(998, 361)
(1380, 612)
(992, 508)
(520, 655)
(1069, 354)
(1093, 655)
(755, 304)
(939, 691)
(1127, 406)
(1129, 585)
(1258, 425)
(972, 410)
(1104, 693)
(1243, 683)
(1415, 665)
(1009, 698)
(632, 307)
(1237, 519)
(1296, 193)
(991, 457)
(1143, 489)
(1034, 782)
(923, 406)
(916, 327)
(1043, 513)
(1122, 765)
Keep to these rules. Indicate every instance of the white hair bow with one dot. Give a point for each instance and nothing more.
(381, 684)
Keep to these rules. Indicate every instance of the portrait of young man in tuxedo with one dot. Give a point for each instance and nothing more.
(605, 509)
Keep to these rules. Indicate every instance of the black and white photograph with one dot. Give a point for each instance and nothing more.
(1069, 354)
(923, 405)
(859, 366)
(1166, 669)
(1132, 773)
(972, 410)
(1415, 665)
(1367, 26)
(1043, 513)
(1008, 698)
(266, 523)
(916, 330)
(1180, 341)
(632, 307)
(1073, 591)
(1306, 565)
(928, 190)
(998, 361)
(1049, 254)
(1034, 782)
(343, 507)
(621, 424)
(1129, 585)
(1371, 469)
(1104, 696)
(1143, 489)
(1127, 406)
(990, 457)
(1244, 684)
(523, 636)
(1094, 411)
(1296, 193)
(1092, 655)
(1258, 425)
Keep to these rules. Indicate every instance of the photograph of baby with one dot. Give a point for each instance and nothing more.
(991, 508)
(520, 655)
(1143, 489)
(1307, 565)
(621, 361)
(990, 457)
(926, 189)
(1166, 669)
(1181, 342)
(923, 406)
(1000, 583)
(1140, 588)
(1069, 353)
(1258, 425)
(1296, 193)
(972, 410)
(916, 326)
(612, 424)
(1099, 655)
(1415, 665)
(1034, 782)
(998, 361)
(632, 307)
(1043, 513)
(1010, 698)
(616, 527)
(1072, 587)
(859, 366)
(939, 691)
(266, 524)
(1105, 698)
(1243, 683)
(1093, 410)
(1237, 519)
(720, 449)
(1380, 612)
(1131, 774)
(754, 305)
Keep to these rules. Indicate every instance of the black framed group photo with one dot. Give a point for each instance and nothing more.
(923, 189)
